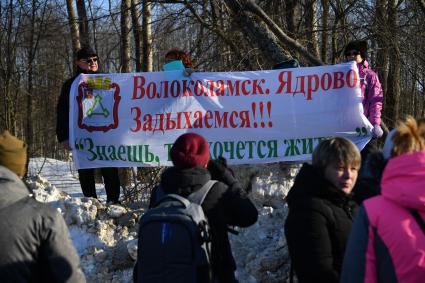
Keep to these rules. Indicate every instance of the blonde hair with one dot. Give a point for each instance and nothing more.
(336, 150)
(408, 137)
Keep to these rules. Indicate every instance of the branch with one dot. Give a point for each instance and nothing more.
(282, 36)
(219, 32)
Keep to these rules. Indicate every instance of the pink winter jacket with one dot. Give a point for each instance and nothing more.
(386, 243)
(371, 92)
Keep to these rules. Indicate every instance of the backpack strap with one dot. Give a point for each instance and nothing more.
(418, 219)
(159, 193)
(199, 195)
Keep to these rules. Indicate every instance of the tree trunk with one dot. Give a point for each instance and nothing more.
(290, 17)
(310, 28)
(324, 39)
(393, 91)
(257, 34)
(277, 31)
(83, 23)
(30, 56)
(137, 34)
(381, 65)
(94, 29)
(73, 25)
(125, 36)
(9, 109)
(147, 36)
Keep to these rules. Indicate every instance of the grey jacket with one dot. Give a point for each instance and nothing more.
(34, 239)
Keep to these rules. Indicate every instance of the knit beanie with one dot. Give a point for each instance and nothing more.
(358, 45)
(190, 150)
(287, 64)
(13, 153)
(85, 53)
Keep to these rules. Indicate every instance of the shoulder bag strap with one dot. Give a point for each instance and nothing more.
(199, 196)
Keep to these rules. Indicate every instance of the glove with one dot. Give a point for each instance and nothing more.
(220, 172)
(377, 131)
(188, 71)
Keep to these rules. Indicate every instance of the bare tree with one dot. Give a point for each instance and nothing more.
(137, 34)
(147, 36)
(324, 39)
(310, 27)
(73, 24)
(258, 35)
(392, 96)
(220, 35)
(284, 38)
(125, 36)
(83, 23)
(32, 46)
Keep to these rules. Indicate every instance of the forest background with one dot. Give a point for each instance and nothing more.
(38, 39)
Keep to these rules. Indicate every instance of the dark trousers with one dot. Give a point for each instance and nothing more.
(110, 178)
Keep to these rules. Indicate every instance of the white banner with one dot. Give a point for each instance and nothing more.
(132, 119)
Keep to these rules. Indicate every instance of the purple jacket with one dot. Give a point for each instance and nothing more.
(371, 92)
(386, 243)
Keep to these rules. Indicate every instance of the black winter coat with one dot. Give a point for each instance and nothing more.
(34, 239)
(369, 181)
(317, 227)
(224, 206)
(62, 111)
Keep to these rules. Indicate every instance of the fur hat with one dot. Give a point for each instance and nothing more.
(13, 153)
(190, 150)
(291, 63)
(358, 45)
(85, 53)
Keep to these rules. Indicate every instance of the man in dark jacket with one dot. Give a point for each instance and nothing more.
(34, 239)
(321, 211)
(87, 63)
(227, 204)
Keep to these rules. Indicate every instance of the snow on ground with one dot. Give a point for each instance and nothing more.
(62, 175)
(106, 236)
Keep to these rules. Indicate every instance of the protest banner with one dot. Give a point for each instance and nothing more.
(132, 119)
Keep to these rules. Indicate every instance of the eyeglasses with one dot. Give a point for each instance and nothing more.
(90, 60)
(352, 53)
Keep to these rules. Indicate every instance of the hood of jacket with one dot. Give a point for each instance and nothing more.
(403, 180)
(310, 183)
(363, 65)
(184, 181)
(12, 189)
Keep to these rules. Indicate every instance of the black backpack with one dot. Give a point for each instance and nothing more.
(174, 240)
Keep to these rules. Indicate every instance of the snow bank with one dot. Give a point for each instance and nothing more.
(106, 236)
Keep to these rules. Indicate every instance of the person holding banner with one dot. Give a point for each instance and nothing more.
(86, 62)
(321, 211)
(370, 86)
(176, 59)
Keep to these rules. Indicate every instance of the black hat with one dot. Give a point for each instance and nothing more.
(85, 53)
(358, 45)
(291, 63)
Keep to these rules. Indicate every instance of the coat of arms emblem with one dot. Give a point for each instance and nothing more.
(98, 101)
